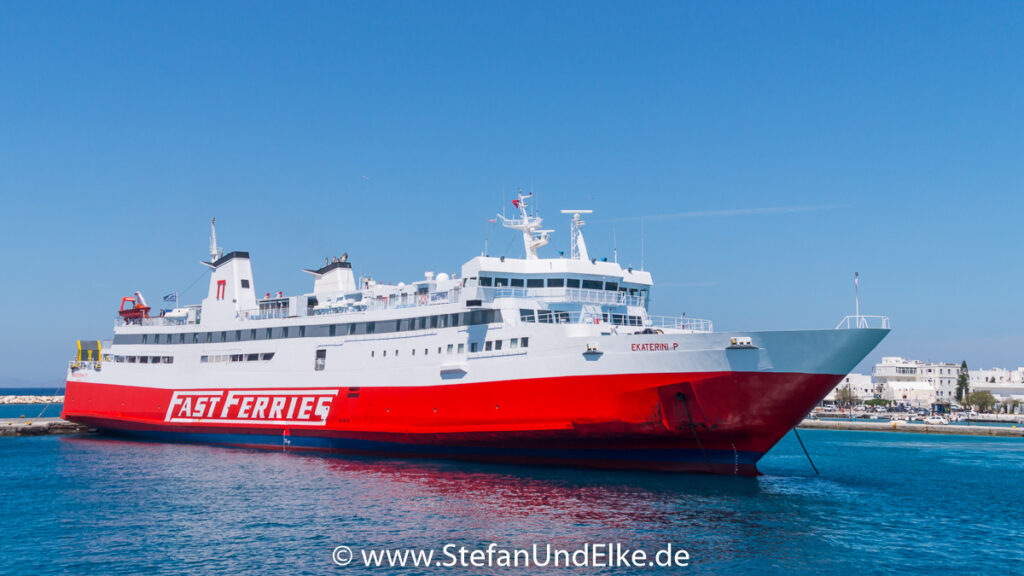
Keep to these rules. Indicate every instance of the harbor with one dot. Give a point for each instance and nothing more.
(912, 427)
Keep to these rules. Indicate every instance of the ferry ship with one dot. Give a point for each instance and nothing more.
(551, 361)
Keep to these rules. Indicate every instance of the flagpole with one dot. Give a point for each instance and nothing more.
(856, 294)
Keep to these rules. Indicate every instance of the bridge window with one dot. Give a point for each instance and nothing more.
(592, 284)
(613, 286)
(544, 316)
(526, 315)
(556, 282)
(485, 280)
(501, 281)
(534, 282)
(516, 282)
(572, 283)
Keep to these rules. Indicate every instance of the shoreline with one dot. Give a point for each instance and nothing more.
(950, 429)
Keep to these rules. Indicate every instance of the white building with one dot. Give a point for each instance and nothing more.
(915, 383)
(1004, 384)
(859, 384)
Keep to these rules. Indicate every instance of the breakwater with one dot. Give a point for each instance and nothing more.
(39, 427)
(32, 399)
(913, 427)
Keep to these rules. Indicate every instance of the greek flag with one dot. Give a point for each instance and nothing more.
(172, 297)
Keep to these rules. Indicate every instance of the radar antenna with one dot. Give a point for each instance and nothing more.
(577, 247)
(533, 236)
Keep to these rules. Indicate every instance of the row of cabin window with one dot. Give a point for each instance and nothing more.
(221, 358)
(553, 283)
(380, 327)
(139, 359)
(562, 317)
(489, 345)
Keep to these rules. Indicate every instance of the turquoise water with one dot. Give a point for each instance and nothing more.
(30, 410)
(885, 503)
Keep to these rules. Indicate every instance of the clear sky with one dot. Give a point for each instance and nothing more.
(774, 149)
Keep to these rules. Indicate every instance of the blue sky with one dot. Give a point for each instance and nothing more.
(776, 148)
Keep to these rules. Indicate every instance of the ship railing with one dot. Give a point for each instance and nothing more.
(861, 321)
(367, 304)
(681, 323)
(584, 295)
(79, 365)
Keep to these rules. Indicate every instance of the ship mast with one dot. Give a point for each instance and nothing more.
(215, 252)
(577, 247)
(533, 236)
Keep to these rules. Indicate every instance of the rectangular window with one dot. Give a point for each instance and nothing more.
(485, 280)
(237, 357)
(501, 281)
(422, 322)
(302, 331)
(284, 332)
(223, 337)
(526, 315)
(534, 282)
(462, 348)
(497, 344)
(544, 316)
(269, 333)
(451, 348)
(321, 360)
(168, 359)
(204, 359)
(472, 346)
(195, 337)
(488, 345)
(209, 337)
(371, 327)
(444, 320)
(592, 284)
(524, 342)
(562, 317)
(433, 321)
(572, 283)
(453, 320)
(516, 282)
(267, 356)
(181, 338)
(252, 357)
(334, 329)
(245, 283)
(145, 338)
(513, 343)
(556, 282)
(238, 335)
(154, 360)
(351, 328)
(613, 286)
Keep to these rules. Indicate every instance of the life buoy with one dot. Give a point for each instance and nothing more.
(423, 298)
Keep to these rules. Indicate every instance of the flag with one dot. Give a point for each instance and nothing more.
(172, 297)
(516, 202)
(856, 279)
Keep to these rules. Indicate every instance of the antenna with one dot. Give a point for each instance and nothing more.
(577, 247)
(641, 242)
(856, 294)
(615, 246)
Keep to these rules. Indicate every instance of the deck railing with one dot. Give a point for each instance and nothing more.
(854, 322)
(584, 295)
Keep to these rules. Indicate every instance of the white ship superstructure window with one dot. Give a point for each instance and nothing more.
(451, 348)
(524, 341)
(472, 347)
(534, 282)
(485, 281)
(572, 283)
(462, 348)
(497, 344)
(488, 345)
(555, 282)
(526, 315)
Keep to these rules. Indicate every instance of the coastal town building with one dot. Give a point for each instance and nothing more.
(859, 384)
(1004, 384)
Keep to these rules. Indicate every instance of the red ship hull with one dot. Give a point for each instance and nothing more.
(720, 422)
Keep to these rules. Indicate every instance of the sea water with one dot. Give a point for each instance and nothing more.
(884, 503)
